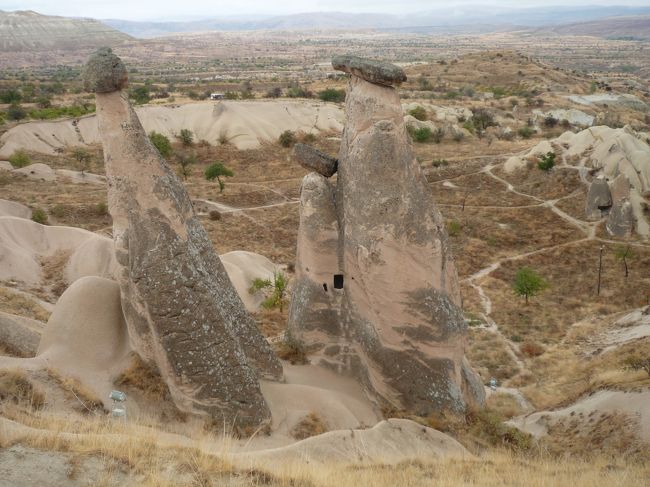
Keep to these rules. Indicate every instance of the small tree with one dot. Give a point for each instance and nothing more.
(186, 161)
(622, 254)
(83, 158)
(278, 286)
(186, 136)
(546, 162)
(216, 171)
(161, 143)
(528, 283)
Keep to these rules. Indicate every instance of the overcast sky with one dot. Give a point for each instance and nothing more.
(184, 9)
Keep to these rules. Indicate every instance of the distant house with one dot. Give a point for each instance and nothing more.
(216, 96)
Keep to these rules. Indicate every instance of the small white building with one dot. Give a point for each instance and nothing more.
(216, 96)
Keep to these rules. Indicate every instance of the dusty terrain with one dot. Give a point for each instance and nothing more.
(562, 357)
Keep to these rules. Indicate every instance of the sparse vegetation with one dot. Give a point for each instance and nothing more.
(547, 161)
(623, 253)
(526, 132)
(419, 113)
(332, 94)
(17, 388)
(186, 136)
(83, 158)
(287, 138)
(39, 216)
(19, 159)
(311, 425)
(421, 135)
(278, 287)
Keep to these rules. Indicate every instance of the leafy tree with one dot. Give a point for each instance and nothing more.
(482, 118)
(546, 162)
(528, 283)
(216, 171)
(161, 143)
(186, 161)
(83, 158)
(10, 96)
(623, 254)
(141, 95)
(287, 138)
(332, 94)
(186, 137)
(278, 290)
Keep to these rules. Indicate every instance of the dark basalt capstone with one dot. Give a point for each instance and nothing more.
(377, 72)
(104, 72)
(315, 160)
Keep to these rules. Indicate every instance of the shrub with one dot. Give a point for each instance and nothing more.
(17, 388)
(458, 136)
(216, 171)
(332, 94)
(528, 283)
(10, 96)
(215, 215)
(531, 349)
(550, 121)
(19, 159)
(310, 425)
(140, 95)
(83, 158)
(186, 161)
(161, 143)
(186, 137)
(39, 216)
(16, 112)
(274, 92)
(292, 351)
(422, 134)
(453, 228)
(482, 118)
(419, 113)
(72, 111)
(278, 286)
(287, 138)
(298, 92)
(525, 132)
(231, 95)
(438, 135)
(546, 162)
(638, 363)
(101, 209)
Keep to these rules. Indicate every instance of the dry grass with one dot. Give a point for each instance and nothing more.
(21, 305)
(488, 354)
(17, 388)
(506, 405)
(87, 401)
(53, 267)
(310, 425)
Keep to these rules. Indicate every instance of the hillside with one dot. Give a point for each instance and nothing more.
(31, 31)
(632, 27)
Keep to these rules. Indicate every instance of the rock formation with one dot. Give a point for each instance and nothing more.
(181, 309)
(315, 160)
(599, 199)
(377, 294)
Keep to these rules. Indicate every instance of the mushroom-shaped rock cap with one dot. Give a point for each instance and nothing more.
(104, 72)
(315, 160)
(377, 72)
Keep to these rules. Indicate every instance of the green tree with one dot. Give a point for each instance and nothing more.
(528, 283)
(278, 289)
(140, 95)
(11, 96)
(216, 171)
(623, 254)
(186, 137)
(161, 143)
(16, 112)
(83, 158)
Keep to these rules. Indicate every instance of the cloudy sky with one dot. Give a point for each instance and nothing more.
(159, 10)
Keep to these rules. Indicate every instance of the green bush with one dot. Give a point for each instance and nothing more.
(39, 216)
(73, 111)
(332, 94)
(161, 143)
(547, 161)
(422, 134)
(453, 228)
(419, 113)
(140, 95)
(525, 132)
(287, 138)
(10, 96)
(19, 159)
(298, 92)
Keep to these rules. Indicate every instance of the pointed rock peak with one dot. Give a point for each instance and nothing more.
(104, 72)
(378, 72)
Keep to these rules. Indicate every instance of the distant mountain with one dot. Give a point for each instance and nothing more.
(438, 20)
(637, 27)
(31, 31)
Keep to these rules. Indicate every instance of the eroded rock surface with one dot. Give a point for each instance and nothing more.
(377, 72)
(599, 199)
(315, 160)
(181, 309)
(377, 294)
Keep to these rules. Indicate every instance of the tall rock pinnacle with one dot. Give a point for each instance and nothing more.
(182, 312)
(377, 294)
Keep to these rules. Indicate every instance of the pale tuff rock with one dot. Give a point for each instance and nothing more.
(599, 199)
(19, 335)
(620, 221)
(315, 160)
(181, 309)
(377, 294)
(377, 72)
